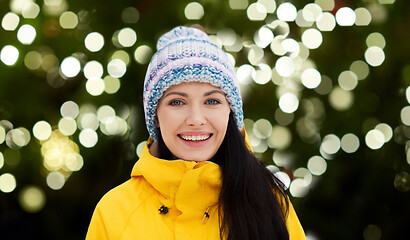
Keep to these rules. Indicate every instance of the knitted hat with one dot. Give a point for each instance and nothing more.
(187, 55)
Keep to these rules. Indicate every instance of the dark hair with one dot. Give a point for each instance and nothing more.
(252, 202)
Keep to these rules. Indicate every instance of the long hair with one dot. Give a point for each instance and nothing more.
(252, 201)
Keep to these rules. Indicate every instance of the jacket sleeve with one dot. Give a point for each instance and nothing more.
(97, 229)
(294, 227)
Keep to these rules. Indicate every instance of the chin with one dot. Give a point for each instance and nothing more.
(196, 158)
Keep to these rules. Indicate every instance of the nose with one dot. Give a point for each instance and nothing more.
(196, 117)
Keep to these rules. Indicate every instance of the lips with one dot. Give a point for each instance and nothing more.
(195, 137)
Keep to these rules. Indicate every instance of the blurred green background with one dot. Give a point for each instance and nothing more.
(326, 95)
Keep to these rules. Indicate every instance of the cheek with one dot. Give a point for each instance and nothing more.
(220, 120)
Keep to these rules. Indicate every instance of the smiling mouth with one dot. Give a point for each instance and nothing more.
(195, 138)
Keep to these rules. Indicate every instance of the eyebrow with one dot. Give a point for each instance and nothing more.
(176, 93)
(213, 91)
(186, 95)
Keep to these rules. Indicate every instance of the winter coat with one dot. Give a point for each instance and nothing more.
(166, 200)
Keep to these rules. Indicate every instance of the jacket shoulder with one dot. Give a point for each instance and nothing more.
(116, 207)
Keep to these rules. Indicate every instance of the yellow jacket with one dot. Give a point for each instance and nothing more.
(188, 190)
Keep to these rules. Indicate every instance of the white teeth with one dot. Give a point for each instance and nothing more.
(195, 137)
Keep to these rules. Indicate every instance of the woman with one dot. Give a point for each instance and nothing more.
(197, 177)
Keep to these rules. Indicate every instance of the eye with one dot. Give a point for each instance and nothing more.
(175, 103)
(212, 102)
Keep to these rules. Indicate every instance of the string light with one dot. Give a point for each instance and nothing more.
(291, 72)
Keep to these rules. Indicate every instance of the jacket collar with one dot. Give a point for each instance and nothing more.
(166, 175)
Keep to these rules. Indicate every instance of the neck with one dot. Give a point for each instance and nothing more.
(153, 149)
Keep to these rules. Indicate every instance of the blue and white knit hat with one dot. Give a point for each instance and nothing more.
(187, 55)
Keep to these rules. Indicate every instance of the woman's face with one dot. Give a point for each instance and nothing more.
(193, 118)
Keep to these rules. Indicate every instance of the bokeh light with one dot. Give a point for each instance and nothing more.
(127, 37)
(405, 115)
(140, 148)
(298, 188)
(330, 144)
(372, 232)
(33, 60)
(88, 138)
(1, 160)
(291, 46)
(55, 7)
(360, 69)
(245, 73)
(345, 16)
(194, 11)
(263, 74)
(69, 109)
(10, 21)
(60, 153)
(30, 10)
(17, 138)
(2, 134)
(17, 6)
(42, 130)
(70, 67)
(374, 56)
(286, 12)
(270, 5)
(376, 39)
(263, 37)
(311, 12)
(402, 182)
(7, 183)
(93, 70)
(255, 54)
(238, 4)
(256, 12)
(317, 165)
(288, 102)
(280, 138)
(32, 198)
(55, 180)
(283, 118)
(386, 130)
(26, 34)
(67, 126)
(311, 78)
(341, 99)
(94, 42)
(312, 38)
(408, 94)
(375, 139)
(130, 15)
(285, 66)
(326, 22)
(301, 21)
(112, 84)
(350, 143)
(262, 128)
(68, 20)
(88, 120)
(121, 55)
(95, 87)
(116, 68)
(9, 55)
(143, 54)
(348, 80)
(363, 17)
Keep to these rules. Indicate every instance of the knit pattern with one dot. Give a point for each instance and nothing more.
(187, 55)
